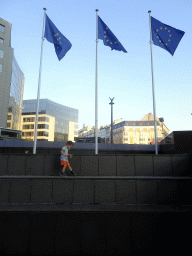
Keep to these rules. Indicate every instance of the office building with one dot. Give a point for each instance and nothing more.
(11, 81)
(56, 122)
(130, 132)
(139, 132)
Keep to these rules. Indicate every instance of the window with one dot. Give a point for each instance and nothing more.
(27, 134)
(43, 134)
(1, 53)
(30, 126)
(29, 119)
(140, 123)
(0, 67)
(1, 40)
(43, 126)
(9, 117)
(2, 28)
(43, 119)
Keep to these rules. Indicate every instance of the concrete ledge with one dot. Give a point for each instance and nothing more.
(102, 165)
(95, 207)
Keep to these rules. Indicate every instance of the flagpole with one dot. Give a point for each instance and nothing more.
(96, 90)
(39, 85)
(153, 85)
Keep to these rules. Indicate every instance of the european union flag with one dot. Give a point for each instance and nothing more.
(165, 36)
(53, 35)
(109, 39)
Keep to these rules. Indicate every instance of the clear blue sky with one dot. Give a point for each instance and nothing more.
(124, 76)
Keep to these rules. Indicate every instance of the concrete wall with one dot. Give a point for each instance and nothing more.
(96, 190)
(97, 165)
(94, 233)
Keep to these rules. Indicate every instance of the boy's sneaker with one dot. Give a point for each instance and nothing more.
(73, 173)
(63, 174)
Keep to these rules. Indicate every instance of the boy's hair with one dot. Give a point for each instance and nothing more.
(70, 143)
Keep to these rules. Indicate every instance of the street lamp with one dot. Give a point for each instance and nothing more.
(111, 103)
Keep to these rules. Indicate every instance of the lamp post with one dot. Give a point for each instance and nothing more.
(161, 119)
(111, 103)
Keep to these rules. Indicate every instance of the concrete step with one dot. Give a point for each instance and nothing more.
(129, 190)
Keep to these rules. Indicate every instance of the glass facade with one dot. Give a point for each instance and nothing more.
(61, 113)
(16, 96)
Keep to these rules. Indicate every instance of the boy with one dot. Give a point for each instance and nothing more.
(64, 158)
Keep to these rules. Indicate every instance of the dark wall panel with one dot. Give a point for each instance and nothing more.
(175, 192)
(75, 163)
(182, 165)
(93, 234)
(83, 191)
(35, 165)
(68, 233)
(20, 191)
(62, 191)
(125, 166)
(120, 225)
(52, 165)
(4, 191)
(146, 191)
(42, 234)
(16, 165)
(104, 191)
(162, 165)
(41, 191)
(16, 233)
(125, 192)
(107, 166)
(89, 166)
(144, 165)
(3, 165)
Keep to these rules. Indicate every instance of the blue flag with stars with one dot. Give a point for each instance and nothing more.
(54, 36)
(109, 39)
(165, 36)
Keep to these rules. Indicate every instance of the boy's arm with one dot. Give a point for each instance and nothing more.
(62, 153)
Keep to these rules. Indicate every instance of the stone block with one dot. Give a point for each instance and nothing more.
(89, 165)
(144, 165)
(83, 191)
(125, 192)
(35, 165)
(146, 191)
(52, 165)
(75, 163)
(125, 166)
(4, 190)
(41, 191)
(20, 191)
(62, 191)
(162, 165)
(182, 165)
(107, 166)
(104, 191)
(175, 192)
(16, 165)
(3, 164)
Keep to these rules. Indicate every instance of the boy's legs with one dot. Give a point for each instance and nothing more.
(64, 167)
(69, 166)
